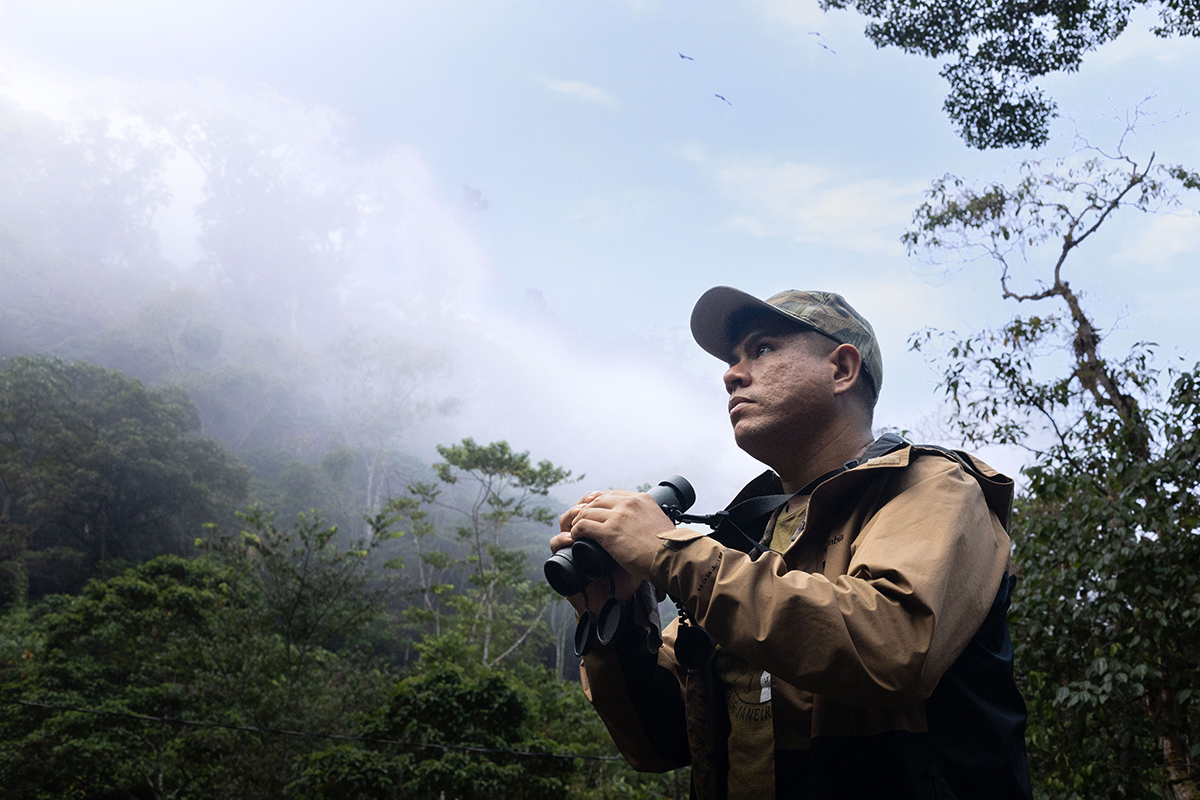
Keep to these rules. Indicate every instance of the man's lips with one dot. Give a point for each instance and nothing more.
(736, 401)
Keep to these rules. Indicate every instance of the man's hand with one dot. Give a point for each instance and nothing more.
(626, 525)
(597, 592)
(606, 517)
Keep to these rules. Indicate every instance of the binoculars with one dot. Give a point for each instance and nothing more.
(570, 570)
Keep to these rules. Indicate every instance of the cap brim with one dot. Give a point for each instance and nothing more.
(713, 316)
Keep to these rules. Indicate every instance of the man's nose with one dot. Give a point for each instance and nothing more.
(735, 377)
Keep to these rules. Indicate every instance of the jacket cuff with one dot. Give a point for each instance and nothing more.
(686, 566)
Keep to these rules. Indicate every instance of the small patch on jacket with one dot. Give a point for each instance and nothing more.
(679, 538)
(681, 535)
(837, 537)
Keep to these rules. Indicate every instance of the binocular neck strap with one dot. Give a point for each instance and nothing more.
(740, 516)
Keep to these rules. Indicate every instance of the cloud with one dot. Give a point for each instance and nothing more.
(624, 411)
(1160, 240)
(583, 92)
(35, 90)
(370, 228)
(815, 205)
(1139, 44)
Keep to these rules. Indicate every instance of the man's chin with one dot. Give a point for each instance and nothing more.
(755, 442)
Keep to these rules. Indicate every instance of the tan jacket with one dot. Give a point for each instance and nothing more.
(900, 562)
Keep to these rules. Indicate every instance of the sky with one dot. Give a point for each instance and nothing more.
(573, 175)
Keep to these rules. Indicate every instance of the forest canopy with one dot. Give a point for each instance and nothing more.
(95, 468)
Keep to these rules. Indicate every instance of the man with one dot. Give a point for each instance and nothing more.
(861, 649)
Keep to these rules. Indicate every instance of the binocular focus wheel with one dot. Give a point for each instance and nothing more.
(585, 634)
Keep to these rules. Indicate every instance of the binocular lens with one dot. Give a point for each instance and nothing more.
(563, 575)
(675, 491)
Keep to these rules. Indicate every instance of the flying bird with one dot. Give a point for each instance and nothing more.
(686, 58)
(722, 97)
(473, 199)
(821, 41)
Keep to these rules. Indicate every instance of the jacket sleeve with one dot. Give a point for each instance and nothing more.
(925, 558)
(639, 696)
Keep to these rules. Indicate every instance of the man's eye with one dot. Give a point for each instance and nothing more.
(761, 348)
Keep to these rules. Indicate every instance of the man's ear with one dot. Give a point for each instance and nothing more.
(847, 362)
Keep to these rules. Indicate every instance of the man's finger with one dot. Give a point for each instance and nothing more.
(568, 517)
(561, 540)
(590, 527)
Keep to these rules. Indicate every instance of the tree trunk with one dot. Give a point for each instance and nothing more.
(370, 485)
(1175, 754)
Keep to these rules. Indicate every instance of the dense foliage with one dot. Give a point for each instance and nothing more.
(485, 729)
(176, 639)
(94, 467)
(270, 663)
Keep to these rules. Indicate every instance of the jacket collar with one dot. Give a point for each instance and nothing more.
(769, 483)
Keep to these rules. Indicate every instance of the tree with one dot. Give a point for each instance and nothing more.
(1107, 533)
(426, 608)
(310, 590)
(478, 724)
(173, 333)
(503, 606)
(95, 467)
(994, 51)
(261, 396)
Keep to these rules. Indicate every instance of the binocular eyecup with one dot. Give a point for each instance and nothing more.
(571, 569)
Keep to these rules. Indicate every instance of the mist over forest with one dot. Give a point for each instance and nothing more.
(307, 298)
(322, 318)
(239, 361)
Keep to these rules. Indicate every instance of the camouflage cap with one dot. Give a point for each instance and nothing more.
(719, 309)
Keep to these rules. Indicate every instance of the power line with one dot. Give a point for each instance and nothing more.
(305, 734)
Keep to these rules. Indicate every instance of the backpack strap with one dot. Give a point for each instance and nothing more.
(730, 526)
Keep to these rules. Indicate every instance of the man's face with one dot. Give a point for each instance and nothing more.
(780, 388)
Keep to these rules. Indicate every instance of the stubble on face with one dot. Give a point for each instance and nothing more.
(781, 392)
